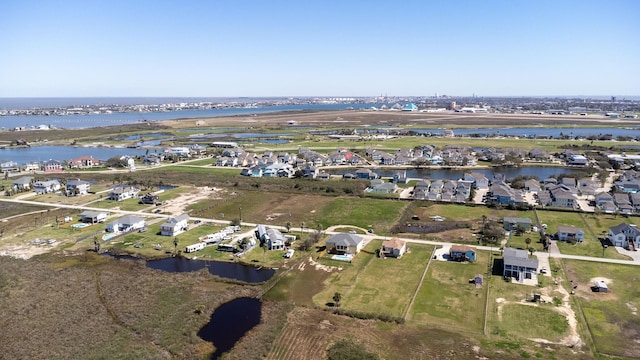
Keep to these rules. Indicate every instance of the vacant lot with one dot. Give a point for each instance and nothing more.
(612, 317)
(119, 309)
(446, 297)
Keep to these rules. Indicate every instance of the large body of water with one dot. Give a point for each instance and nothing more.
(96, 120)
(61, 153)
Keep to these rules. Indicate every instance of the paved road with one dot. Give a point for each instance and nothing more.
(554, 253)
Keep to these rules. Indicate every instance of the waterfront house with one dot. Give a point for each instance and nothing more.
(394, 247)
(93, 217)
(603, 198)
(344, 244)
(77, 187)
(477, 179)
(462, 253)
(126, 224)
(123, 192)
(624, 235)
(149, 198)
(9, 167)
(382, 187)
(175, 225)
(273, 239)
(570, 233)
(519, 266)
(532, 185)
(46, 186)
(22, 184)
(366, 174)
(84, 162)
(52, 166)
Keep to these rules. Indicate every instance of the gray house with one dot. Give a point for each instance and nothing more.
(519, 266)
(345, 243)
(570, 233)
(513, 223)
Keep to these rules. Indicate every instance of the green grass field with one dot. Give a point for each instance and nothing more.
(365, 213)
(378, 292)
(446, 298)
(612, 317)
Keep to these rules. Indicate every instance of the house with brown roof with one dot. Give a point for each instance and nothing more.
(84, 162)
(394, 247)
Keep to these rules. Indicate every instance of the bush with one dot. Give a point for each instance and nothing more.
(347, 349)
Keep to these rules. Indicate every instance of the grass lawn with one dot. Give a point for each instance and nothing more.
(300, 284)
(365, 213)
(447, 298)
(377, 292)
(344, 281)
(262, 207)
(186, 168)
(612, 317)
(128, 204)
(533, 322)
(469, 213)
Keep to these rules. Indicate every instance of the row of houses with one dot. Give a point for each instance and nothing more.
(443, 190)
(72, 187)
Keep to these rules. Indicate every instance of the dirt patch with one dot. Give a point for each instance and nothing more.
(319, 266)
(26, 251)
(179, 204)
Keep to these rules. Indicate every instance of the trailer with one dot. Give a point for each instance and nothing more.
(194, 247)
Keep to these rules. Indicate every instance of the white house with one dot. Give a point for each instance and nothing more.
(272, 238)
(175, 225)
(93, 216)
(179, 151)
(45, 187)
(122, 192)
(394, 247)
(519, 266)
(126, 224)
(345, 243)
(23, 183)
(624, 235)
(570, 233)
(77, 187)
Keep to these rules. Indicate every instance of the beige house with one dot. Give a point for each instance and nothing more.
(394, 247)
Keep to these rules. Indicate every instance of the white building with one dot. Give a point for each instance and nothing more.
(126, 224)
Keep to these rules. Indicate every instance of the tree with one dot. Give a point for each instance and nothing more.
(175, 245)
(96, 244)
(336, 299)
(235, 222)
(288, 226)
(527, 241)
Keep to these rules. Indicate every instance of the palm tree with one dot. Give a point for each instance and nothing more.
(175, 245)
(528, 242)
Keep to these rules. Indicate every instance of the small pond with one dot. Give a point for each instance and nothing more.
(228, 270)
(236, 271)
(230, 322)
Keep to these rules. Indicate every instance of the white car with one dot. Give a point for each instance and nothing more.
(543, 270)
(289, 253)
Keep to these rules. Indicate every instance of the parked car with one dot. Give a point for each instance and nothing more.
(289, 253)
(543, 270)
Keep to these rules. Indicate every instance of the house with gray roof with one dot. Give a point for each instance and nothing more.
(126, 224)
(519, 266)
(22, 184)
(514, 223)
(77, 187)
(570, 233)
(175, 225)
(93, 216)
(345, 243)
(624, 235)
(46, 186)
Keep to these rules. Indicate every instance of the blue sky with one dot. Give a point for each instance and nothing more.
(319, 48)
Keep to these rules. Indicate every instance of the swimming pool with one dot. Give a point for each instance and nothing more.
(345, 257)
(108, 236)
(80, 225)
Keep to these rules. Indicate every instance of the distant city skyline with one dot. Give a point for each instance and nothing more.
(319, 48)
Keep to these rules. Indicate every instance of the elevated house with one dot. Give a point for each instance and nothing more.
(366, 174)
(519, 266)
(22, 184)
(462, 253)
(516, 223)
(149, 198)
(382, 187)
(46, 186)
(624, 235)
(394, 247)
(477, 179)
(52, 166)
(175, 225)
(126, 224)
(570, 233)
(273, 239)
(345, 244)
(93, 217)
(9, 167)
(123, 192)
(77, 187)
(84, 162)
